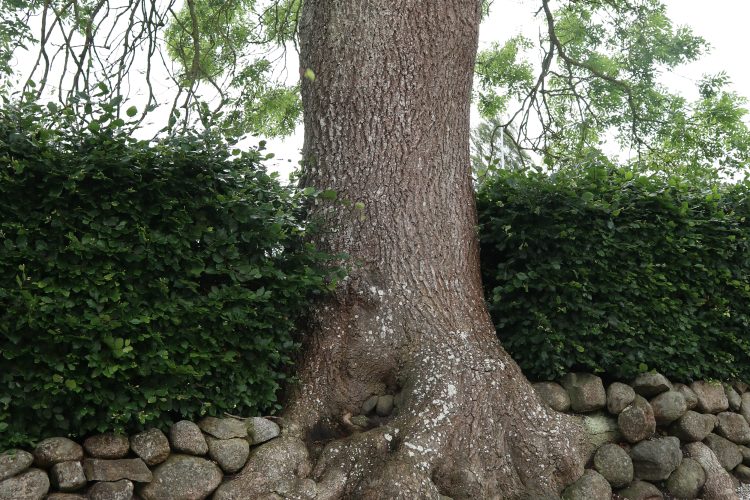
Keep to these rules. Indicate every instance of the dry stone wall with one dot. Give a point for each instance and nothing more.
(651, 439)
(187, 463)
(648, 439)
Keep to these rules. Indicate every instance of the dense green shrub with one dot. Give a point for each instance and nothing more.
(615, 273)
(140, 282)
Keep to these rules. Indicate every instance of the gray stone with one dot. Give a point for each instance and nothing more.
(745, 451)
(668, 407)
(650, 384)
(223, 428)
(586, 392)
(14, 461)
(601, 428)
(733, 398)
(362, 421)
(230, 454)
(107, 446)
(734, 427)
(260, 430)
(719, 485)
(590, 486)
(712, 418)
(151, 446)
(728, 453)
(619, 397)
(57, 449)
(656, 459)
(637, 421)
(614, 464)
(711, 397)
(67, 476)
(279, 460)
(369, 405)
(384, 406)
(98, 469)
(305, 489)
(117, 490)
(640, 490)
(186, 437)
(65, 496)
(740, 386)
(553, 395)
(32, 484)
(693, 426)
(183, 477)
(745, 406)
(691, 400)
(687, 480)
(531, 492)
(742, 472)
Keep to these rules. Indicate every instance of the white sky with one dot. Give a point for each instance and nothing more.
(723, 23)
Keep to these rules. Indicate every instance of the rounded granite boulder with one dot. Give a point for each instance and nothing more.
(668, 407)
(586, 392)
(711, 397)
(728, 453)
(656, 459)
(553, 395)
(614, 464)
(107, 446)
(687, 479)
(693, 426)
(183, 477)
(590, 486)
(57, 449)
(115, 490)
(230, 454)
(14, 461)
(619, 397)
(186, 437)
(637, 421)
(640, 490)
(32, 484)
(734, 427)
(151, 446)
(650, 384)
(223, 428)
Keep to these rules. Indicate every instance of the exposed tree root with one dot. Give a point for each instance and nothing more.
(470, 427)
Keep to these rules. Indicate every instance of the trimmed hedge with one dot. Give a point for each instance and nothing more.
(140, 282)
(611, 273)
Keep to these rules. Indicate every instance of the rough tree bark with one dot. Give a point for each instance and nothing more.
(387, 127)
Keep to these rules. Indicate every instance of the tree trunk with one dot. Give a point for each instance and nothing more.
(387, 128)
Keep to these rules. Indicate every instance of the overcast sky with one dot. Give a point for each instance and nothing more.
(723, 23)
